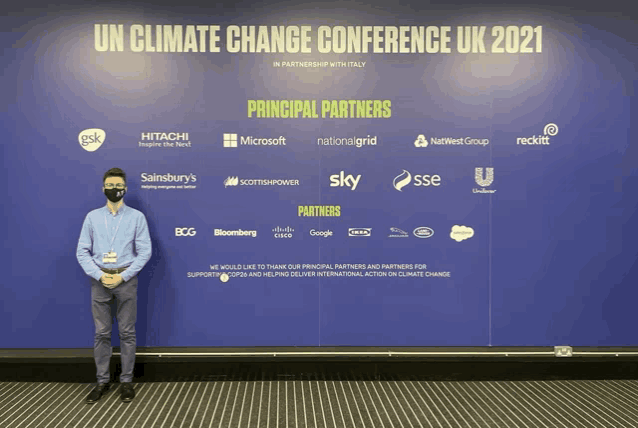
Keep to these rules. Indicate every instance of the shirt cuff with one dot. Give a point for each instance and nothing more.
(97, 275)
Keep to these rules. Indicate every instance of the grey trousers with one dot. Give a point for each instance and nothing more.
(125, 295)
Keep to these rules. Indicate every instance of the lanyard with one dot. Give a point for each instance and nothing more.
(107, 230)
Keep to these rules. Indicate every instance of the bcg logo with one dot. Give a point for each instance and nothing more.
(185, 231)
(91, 139)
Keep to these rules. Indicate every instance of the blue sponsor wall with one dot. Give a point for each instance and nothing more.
(536, 247)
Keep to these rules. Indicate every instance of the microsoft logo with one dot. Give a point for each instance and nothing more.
(230, 140)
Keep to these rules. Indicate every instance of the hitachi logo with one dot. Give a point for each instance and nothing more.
(164, 136)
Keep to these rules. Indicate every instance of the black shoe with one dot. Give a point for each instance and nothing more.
(127, 393)
(98, 391)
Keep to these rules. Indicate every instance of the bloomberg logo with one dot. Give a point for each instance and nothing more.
(185, 231)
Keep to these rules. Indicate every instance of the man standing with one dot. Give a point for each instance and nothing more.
(114, 246)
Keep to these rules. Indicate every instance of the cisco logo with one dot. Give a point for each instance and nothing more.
(91, 139)
(283, 232)
(423, 232)
(185, 231)
(360, 231)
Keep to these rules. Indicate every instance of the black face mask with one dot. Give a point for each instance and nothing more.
(114, 195)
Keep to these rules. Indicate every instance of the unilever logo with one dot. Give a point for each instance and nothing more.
(486, 179)
(402, 180)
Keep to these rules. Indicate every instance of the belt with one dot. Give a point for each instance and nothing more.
(114, 271)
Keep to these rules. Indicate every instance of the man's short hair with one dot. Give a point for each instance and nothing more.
(114, 172)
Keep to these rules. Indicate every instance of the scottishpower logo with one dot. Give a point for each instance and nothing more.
(234, 140)
(550, 130)
(236, 181)
(91, 139)
(484, 179)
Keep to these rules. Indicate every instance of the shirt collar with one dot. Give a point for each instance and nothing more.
(118, 212)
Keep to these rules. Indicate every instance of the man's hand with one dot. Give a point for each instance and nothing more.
(111, 281)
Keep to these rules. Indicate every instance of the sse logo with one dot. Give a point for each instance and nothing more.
(185, 231)
(91, 139)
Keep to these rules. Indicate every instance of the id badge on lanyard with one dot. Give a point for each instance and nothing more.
(111, 256)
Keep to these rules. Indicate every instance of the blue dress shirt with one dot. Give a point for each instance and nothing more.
(132, 242)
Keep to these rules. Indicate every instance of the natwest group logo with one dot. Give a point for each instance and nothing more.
(233, 140)
(185, 231)
(341, 180)
(421, 141)
(549, 130)
(425, 180)
(91, 139)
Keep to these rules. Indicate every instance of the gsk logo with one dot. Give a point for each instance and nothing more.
(91, 139)
(185, 231)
